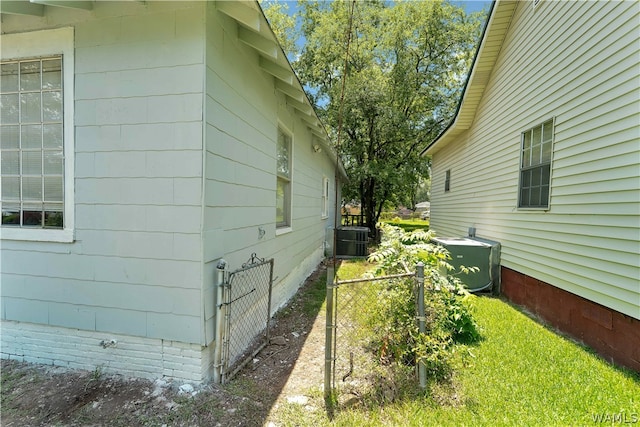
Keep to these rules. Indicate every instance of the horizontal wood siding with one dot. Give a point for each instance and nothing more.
(576, 62)
(135, 267)
(243, 112)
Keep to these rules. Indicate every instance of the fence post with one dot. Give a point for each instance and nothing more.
(219, 337)
(268, 333)
(328, 346)
(422, 370)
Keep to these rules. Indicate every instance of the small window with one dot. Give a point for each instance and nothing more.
(283, 191)
(535, 166)
(447, 180)
(325, 197)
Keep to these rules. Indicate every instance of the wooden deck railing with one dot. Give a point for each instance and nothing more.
(354, 220)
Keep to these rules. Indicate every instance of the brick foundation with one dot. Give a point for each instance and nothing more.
(613, 335)
(131, 356)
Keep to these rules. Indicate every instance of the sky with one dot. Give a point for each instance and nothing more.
(471, 6)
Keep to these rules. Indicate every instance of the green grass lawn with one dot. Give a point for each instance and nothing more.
(409, 224)
(519, 373)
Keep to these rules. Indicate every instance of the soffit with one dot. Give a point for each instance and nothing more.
(255, 32)
(37, 7)
(480, 73)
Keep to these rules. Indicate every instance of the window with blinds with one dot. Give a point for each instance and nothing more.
(31, 143)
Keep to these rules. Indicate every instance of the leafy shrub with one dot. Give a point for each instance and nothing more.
(447, 308)
(387, 216)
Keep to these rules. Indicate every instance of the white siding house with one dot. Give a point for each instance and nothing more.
(543, 156)
(140, 147)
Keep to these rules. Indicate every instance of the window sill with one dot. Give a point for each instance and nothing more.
(528, 209)
(283, 230)
(37, 235)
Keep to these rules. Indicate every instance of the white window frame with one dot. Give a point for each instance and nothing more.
(325, 197)
(523, 168)
(37, 44)
(286, 226)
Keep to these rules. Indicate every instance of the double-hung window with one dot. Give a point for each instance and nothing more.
(535, 166)
(283, 190)
(36, 135)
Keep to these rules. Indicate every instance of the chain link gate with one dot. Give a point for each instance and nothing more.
(350, 304)
(246, 311)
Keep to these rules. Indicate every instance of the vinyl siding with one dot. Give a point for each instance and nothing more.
(135, 265)
(576, 62)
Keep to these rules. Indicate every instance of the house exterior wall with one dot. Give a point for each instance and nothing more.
(134, 268)
(175, 169)
(576, 62)
(242, 114)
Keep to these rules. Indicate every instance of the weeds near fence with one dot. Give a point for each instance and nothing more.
(363, 375)
(448, 315)
(378, 340)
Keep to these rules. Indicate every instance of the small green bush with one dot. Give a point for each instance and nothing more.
(409, 225)
(386, 216)
(448, 313)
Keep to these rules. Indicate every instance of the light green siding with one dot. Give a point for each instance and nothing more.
(576, 62)
(243, 110)
(175, 123)
(135, 267)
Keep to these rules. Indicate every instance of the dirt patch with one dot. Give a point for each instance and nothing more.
(283, 372)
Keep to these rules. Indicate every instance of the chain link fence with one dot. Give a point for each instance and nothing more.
(355, 357)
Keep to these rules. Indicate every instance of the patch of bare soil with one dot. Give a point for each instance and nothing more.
(37, 395)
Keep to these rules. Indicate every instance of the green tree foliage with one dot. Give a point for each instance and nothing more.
(283, 25)
(421, 192)
(448, 319)
(404, 70)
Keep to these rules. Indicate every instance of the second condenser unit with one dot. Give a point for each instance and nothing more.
(474, 252)
(352, 242)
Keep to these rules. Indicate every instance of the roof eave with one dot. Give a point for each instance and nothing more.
(254, 31)
(485, 59)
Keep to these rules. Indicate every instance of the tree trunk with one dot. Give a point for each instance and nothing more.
(368, 206)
